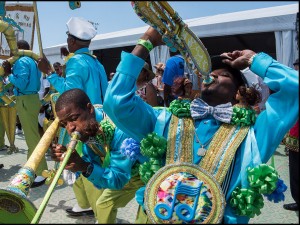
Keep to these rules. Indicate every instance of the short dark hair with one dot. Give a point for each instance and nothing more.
(22, 44)
(75, 96)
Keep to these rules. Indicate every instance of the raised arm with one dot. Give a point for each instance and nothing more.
(282, 106)
(128, 111)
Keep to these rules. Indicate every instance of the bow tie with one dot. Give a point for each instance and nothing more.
(200, 109)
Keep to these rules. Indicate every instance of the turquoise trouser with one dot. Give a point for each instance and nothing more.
(105, 202)
(28, 107)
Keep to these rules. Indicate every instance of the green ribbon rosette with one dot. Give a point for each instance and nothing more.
(263, 178)
(105, 140)
(243, 116)
(148, 169)
(246, 202)
(108, 130)
(153, 146)
(180, 108)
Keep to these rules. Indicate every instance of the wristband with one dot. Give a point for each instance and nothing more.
(147, 44)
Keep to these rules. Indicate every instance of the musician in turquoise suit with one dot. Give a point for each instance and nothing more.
(83, 71)
(98, 157)
(234, 148)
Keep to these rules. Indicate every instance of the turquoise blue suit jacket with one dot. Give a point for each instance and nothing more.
(25, 76)
(117, 174)
(83, 72)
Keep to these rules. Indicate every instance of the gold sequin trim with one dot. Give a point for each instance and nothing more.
(185, 150)
(226, 141)
(218, 142)
(171, 140)
(187, 139)
(230, 153)
(227, 136)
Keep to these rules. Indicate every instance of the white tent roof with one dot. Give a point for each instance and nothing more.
(251, 21)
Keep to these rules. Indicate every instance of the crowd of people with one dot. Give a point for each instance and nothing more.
(143, 132)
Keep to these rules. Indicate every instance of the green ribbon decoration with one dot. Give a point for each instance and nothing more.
(263, 178)
(180, 108)
(243, 116)
(148, 169)
(105, 139)
(108, 130)
(246, 202)
(153, 146)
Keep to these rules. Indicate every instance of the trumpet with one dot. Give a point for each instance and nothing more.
(176, 35)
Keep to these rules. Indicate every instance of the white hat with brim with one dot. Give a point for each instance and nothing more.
(81, 29)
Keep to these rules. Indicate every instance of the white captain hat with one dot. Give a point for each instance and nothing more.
(81, 29)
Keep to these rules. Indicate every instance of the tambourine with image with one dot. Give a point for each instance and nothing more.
(184, 193)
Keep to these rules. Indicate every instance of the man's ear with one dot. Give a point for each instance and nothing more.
(90, 107)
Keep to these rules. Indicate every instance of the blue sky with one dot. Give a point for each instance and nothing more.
(119, 15)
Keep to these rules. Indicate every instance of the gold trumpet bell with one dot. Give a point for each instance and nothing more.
(9, 117)
(15, 208)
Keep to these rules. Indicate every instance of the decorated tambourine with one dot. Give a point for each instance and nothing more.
(184, 193)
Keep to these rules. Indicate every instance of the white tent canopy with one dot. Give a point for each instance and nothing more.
(279, 19)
